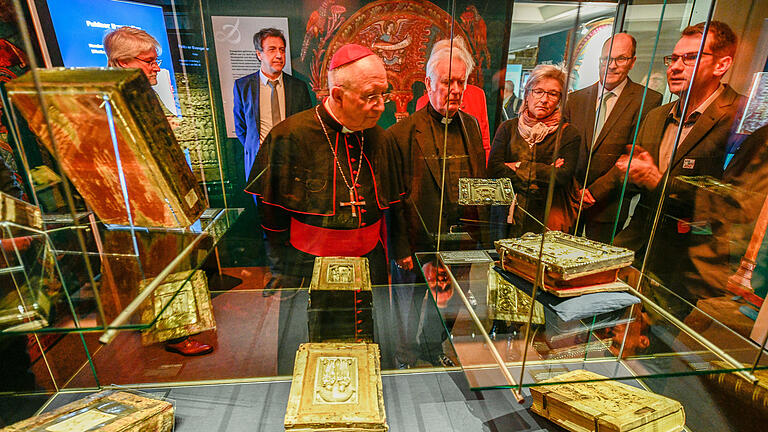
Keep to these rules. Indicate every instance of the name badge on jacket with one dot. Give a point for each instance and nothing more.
(689, 163)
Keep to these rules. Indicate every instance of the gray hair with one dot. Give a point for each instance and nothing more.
(126, 43)
(543, 71)
(441, 51)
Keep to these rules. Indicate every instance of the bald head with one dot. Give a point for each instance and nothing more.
(617, 59)
(356, 92)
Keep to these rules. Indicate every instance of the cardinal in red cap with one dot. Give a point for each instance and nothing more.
(324, 178)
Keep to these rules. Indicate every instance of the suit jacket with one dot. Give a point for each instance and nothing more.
(702, 153)
(605, 181)
(246, 109)
(510, 109)
(422, 170)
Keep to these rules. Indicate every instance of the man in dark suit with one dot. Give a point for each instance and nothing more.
(266, 97)
(435, 135)
(607, 114)
(511, 102)
(698, 147)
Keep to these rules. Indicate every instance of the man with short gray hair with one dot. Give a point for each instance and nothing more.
(438, 140)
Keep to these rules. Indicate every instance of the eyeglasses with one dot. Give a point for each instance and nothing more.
(154, 61)
(620, 61)
(689, 59)
(539, 93)
(374, 98)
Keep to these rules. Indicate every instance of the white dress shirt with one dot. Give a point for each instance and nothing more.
(265, 103)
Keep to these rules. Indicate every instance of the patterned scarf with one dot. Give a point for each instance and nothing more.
(534, 131)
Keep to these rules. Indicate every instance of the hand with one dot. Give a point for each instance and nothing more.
(558, 162)
(512, 165)
(622, 163)
(405, 263)
(588, 200)
(644, 172)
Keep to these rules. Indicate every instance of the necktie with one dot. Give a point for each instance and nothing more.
(276, 117)
(603, 114)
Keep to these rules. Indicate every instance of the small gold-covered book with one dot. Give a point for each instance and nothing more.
(481, 191)
(189, 312)
(508, 302)
(19, 212)
(589, 405)
(340, 300)
(570, 263)
(336, 387)
(106, 411)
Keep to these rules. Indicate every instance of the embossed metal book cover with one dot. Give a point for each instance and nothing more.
(161, 189)
(340, 274)
(565, 257)
(106, 411)
(598, 406)
(509, 303)
(480, 191)
(340, 300)
(336, 386)
(189, 312)
(19, 212)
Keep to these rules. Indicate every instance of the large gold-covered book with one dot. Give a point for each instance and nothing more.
(106, 411)
(84, 107)
(572, 265)
(480, 191)
(336, 387)
(19, 212)
(604, 406)
(189, 312)
(340, 300)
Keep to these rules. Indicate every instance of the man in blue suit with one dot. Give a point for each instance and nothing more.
(266, 97)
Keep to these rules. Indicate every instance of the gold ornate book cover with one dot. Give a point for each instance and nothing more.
(569, 261)
(509, 303)
(106, 411)
(336, 386)
(189, 313)
(340, 300)
(19, 212)
(598, 406)
(161, 189)
(480, 191)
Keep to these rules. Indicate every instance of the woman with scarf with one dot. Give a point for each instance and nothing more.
(525, 150)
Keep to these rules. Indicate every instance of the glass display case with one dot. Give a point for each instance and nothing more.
(537, 188)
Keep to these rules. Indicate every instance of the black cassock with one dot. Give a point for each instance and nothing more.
(304, 203)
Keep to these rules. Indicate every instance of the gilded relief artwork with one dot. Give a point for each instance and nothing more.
(508, 303)
(336, 380)
(565, 254)
(477, 191)
(340, 273)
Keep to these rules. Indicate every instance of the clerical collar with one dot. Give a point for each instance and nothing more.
(335, 124)
(437, 116)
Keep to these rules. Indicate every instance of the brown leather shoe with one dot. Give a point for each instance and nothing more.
(189, 347)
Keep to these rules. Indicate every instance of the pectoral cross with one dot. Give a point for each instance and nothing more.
(352, 203)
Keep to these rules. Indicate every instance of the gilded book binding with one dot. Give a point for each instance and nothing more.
(508, 302)
(189, 312)
(161, 189)
(106, 411)
(480, 191)
(340, 300)
(336, 387)
(569, 262)
(19, 212)
(603, 406)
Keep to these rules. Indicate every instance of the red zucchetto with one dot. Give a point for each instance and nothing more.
(347, 54)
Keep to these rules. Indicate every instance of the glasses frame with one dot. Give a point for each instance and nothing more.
(689, 59)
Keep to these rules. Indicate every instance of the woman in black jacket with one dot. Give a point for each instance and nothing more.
(525, 150)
